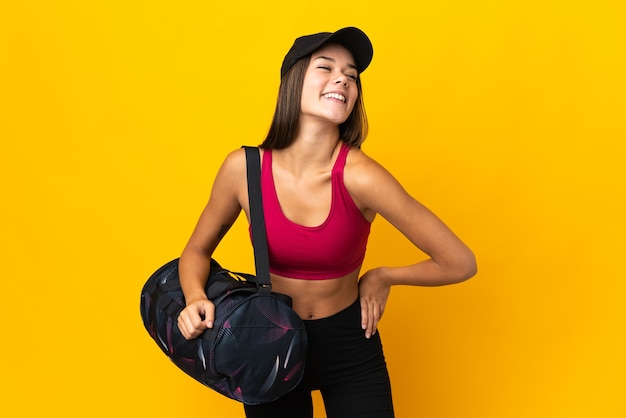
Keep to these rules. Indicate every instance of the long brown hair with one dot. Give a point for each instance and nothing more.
(284, 125)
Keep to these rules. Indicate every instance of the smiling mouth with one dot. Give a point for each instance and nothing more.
(335, 96)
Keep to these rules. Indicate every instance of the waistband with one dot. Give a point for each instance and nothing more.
(346, 313)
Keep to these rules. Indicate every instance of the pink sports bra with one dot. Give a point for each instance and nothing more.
(330, 250)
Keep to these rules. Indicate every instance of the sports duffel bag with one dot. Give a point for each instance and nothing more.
(255, 351)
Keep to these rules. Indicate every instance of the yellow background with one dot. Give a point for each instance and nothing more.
(507, 118)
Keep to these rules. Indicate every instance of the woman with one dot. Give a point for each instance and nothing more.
(320, 195)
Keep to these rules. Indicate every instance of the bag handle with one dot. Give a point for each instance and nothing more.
(257, 220)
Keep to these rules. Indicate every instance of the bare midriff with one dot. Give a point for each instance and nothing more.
(316, 299)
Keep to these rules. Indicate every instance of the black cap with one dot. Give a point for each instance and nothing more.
(354, 39)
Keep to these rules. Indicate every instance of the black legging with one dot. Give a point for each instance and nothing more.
(348, 369)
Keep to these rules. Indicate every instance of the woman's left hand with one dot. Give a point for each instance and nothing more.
(373, 294)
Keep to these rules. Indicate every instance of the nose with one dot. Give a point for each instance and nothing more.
(342, 79)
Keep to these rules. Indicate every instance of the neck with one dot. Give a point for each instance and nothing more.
(315, 138)
(313, 149)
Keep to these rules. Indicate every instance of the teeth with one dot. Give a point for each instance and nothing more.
(335, 96)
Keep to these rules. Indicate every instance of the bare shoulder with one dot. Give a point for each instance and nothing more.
(234, 162)
(370, 184)
(231, 177)
(362, 172)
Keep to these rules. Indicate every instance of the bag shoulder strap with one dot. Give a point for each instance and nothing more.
(257, 219)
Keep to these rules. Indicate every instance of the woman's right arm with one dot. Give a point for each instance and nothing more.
(225, 203)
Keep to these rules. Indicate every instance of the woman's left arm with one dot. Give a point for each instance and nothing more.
(449, 260)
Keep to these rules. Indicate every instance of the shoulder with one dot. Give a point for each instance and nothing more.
(232, 172)
(362, 171)
(234, 164)
(231, 183)
(235, 160)
(370, 184)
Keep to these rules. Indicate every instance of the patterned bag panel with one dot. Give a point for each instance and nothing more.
(259, 365)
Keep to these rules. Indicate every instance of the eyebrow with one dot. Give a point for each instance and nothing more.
(333, 60)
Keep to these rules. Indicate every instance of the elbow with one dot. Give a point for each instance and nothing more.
(468, 267)
(465, 268)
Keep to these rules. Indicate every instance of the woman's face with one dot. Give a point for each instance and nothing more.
(329, 90)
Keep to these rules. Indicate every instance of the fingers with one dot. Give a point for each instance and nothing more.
(371, 313)
(373, 292)
(195, 318)
(209, 313)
